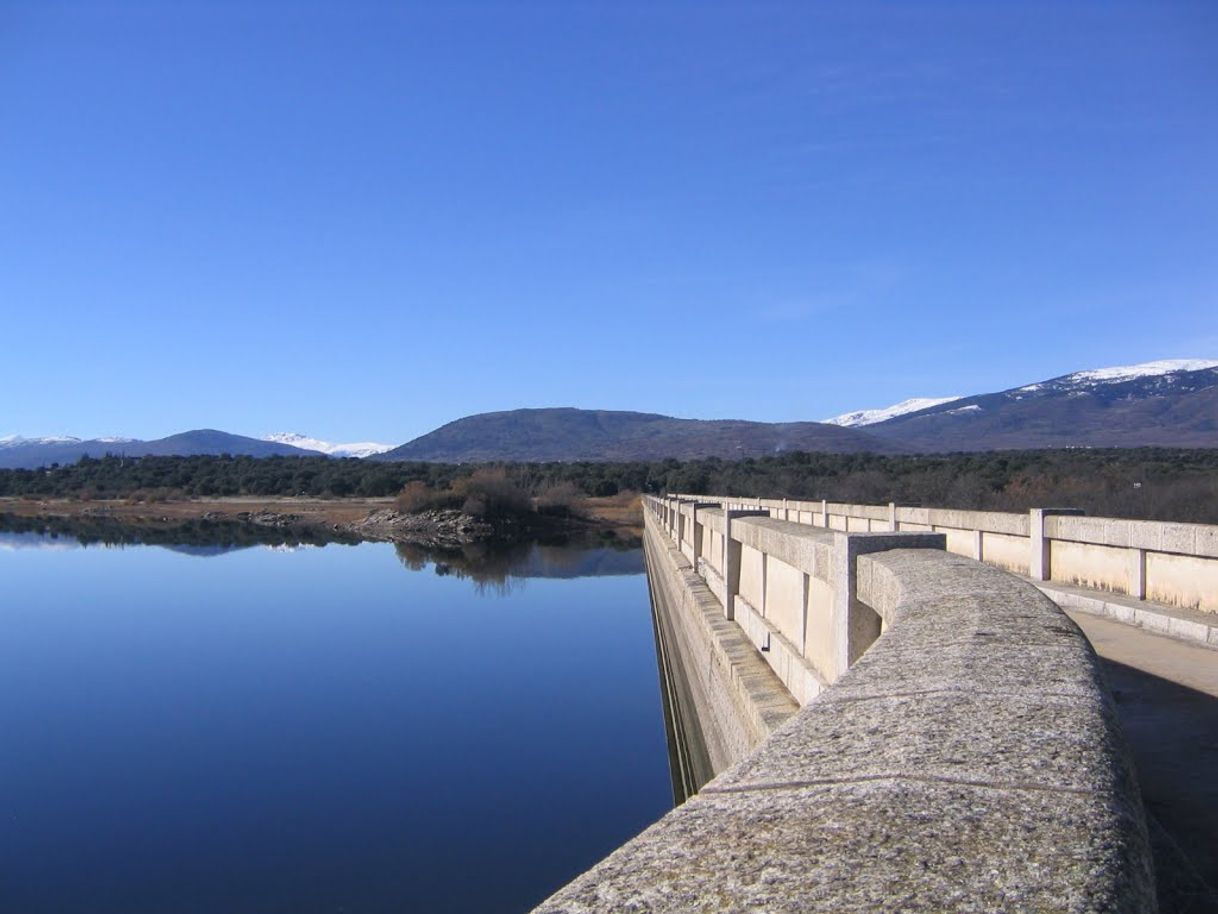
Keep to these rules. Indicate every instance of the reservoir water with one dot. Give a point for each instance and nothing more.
(347, 728)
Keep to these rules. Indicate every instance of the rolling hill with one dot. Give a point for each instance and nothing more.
(583, 434)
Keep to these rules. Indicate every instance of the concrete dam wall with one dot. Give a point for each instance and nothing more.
(1170, 563)
(880, 725)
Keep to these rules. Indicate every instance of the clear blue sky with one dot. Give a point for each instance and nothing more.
(362, 220)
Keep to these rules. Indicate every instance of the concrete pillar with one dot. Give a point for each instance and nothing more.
(1039, 559)
(855, 625)
(731, 557)
(824, 513)
(695, 534)
(697, 530)
(977, 546)
(1137, 574)
(805, 598)
(892, 516)
(765, 571)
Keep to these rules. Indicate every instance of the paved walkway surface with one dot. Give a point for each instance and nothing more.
(1167, 696)
(1185, 624)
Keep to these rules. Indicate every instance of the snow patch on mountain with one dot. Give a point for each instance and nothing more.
(23, 441)
(872, 416)
(20, 440)
(353, 449)
(1144, 370)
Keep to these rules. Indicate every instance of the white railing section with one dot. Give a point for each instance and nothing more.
(1170, 563)
(791, 588)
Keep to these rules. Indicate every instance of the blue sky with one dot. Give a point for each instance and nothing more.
(362, 220)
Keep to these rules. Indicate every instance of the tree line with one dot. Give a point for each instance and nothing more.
(1156, 483)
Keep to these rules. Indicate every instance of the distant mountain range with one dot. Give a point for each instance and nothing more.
(1172, 403)
(1169, 403)
(587, 434)
(304, 442)
(861, 417)
(18, 452)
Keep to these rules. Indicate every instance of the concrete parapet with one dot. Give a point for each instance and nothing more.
(1170, 563)
(728, 693)
(969, 760)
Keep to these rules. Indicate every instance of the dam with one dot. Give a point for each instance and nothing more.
(875, 708)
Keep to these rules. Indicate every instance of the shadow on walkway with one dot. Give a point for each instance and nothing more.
(1172, 731)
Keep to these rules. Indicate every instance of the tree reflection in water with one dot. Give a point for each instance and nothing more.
(497, 568)
(494, 567)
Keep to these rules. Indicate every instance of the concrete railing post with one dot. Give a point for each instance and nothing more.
(855, 625)
(698, 531)
(1137, 574)
(892, 516)
(824, 513)
(731, 557)
(1040, 558)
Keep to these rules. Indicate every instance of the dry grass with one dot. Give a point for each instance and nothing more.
(624, 509)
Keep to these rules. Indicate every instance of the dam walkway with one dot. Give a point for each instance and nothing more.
(1166, 694)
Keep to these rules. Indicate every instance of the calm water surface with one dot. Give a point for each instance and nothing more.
(337, 729)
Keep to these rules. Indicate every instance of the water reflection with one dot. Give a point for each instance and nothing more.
(196, 536)
(316, 730)
(501, 567)
(493, 566)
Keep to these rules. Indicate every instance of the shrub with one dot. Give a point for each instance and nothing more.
(417, 496)
(489, 493)
(560, 500)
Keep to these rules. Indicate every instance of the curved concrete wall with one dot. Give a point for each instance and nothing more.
(968, 760)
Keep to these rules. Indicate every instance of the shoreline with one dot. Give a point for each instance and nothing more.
(372, 519)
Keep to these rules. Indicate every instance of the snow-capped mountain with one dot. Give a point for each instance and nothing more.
(872, 416)
(17, 452)
(1170, 403)
(1094, 377)
(20, 440)
(354, 449)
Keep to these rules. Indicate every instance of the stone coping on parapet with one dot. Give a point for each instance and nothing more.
(969, 761)
(1191, 625)
(810, 549)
